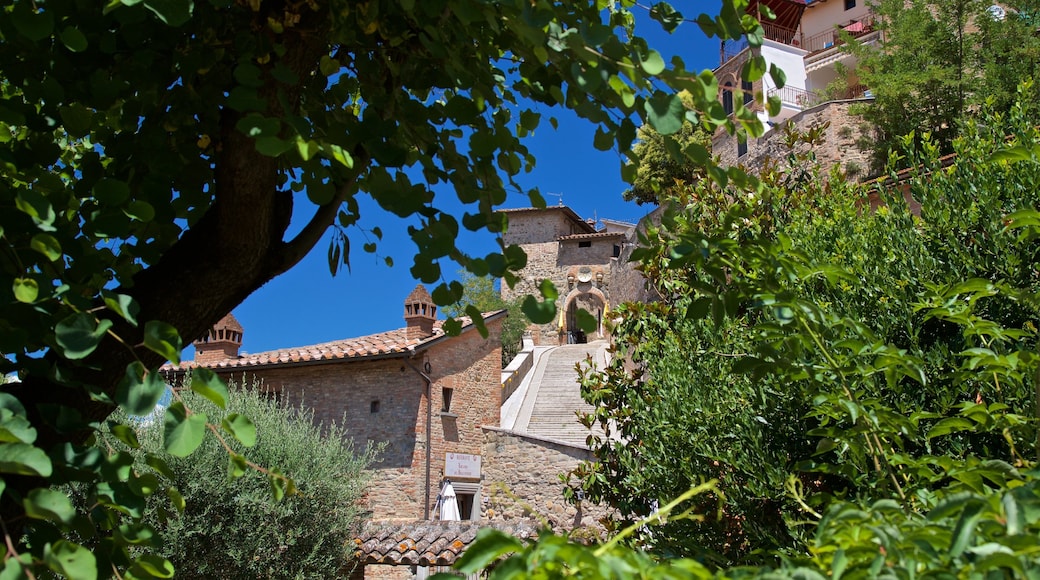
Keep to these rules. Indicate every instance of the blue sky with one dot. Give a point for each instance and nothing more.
(308, 306)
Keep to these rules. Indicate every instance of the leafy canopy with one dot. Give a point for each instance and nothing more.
(152, 152)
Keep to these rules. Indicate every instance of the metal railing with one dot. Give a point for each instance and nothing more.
(803, 99)
(731, 48)
(836, 37)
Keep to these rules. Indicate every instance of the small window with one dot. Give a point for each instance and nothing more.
(373, 407)
(727, 99)
(741, 147)
(617, 250)
(850, 4)
(585, 244)
(748, 88)
(446, 400)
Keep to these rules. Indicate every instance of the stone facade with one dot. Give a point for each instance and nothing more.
(582, 262)
(842, 146)
(419, 393)
(521, 473)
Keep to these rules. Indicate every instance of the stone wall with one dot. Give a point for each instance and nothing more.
(842, 144)
(384, 401)
(521, 476)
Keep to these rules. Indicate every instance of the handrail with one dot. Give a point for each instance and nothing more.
(834, 38)
(731, 48)
(803, 99)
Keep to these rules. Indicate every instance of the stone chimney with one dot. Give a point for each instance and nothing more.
(220, 343)
(419, 313)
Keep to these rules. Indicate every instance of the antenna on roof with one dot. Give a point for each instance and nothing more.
(558, 196)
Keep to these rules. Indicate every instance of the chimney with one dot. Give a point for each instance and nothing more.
(419, 313)
(220, 343)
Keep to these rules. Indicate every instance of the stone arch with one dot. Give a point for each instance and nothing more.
(594, 302)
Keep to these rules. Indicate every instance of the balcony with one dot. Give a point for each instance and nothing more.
(801, 99)
(732, 48)
(832, 39)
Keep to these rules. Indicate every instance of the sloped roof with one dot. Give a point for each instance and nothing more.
(426, 542)
(592, 236)
(382, 344)
(560, 208)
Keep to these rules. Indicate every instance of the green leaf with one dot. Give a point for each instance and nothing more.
(30, 23)
(125, 434)
(183, 433)
(47, 245)
(603, 140)
(76, 118)
(25, 290)
(949, 425)
(24, 459)
(664, 13)
(778, 75)
(754, 68)
(79, 334)
(163, 339)
(152, 565)
(652, 64)
(140, 390)
(665, 112)
(206, 383)
(176, 498)
(111, 191)
(73, 39)
(965, 529)
(586, 321)
(236, 465)
(48, 504)
(241, 428)
(172, 12)
(122, 305)
(341, 155)
(538, 312)
(144, 485)
(72, 560)
(489, 546)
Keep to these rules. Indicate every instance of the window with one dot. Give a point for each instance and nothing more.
(850, 4)
(373, 407)
(585, 244)
(727, 98)
(468, 496)
(617, 250)
(741, 147)
(446, 399)
(749, 91)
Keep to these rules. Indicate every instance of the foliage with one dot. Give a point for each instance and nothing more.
(482, 295)
(152, 152)
(663, 162)
(945, 58)
(215, 532)
(841, 359)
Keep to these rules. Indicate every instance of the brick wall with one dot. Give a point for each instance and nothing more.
(521, 479)
(384, 401)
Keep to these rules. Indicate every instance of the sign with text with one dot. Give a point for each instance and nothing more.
(461, 465)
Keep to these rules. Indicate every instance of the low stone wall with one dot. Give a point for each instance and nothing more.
(522, 481)
(517, 368)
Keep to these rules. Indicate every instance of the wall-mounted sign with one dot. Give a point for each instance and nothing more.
(461, 465)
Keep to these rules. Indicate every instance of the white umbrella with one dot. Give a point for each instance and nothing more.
(449, 505)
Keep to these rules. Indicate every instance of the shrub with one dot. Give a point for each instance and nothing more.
(231, 527)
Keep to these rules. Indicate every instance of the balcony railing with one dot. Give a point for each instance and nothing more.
(836, 37)
(803, 99)
(773, 32)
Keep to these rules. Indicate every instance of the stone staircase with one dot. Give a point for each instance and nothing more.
(554, 394)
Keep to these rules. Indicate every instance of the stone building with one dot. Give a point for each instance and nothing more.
(805, 41)
(421, 393)
(587, 265)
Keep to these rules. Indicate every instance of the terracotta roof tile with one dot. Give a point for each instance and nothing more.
(380, 344)
(591, 236)
(426, 542)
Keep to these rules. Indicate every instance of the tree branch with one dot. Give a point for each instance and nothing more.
(291, 252)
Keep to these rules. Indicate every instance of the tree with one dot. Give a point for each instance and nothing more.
(152, 154)
(481, 294)
(939, 61)
(219, 532)
(808, 354)
(663, 164)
